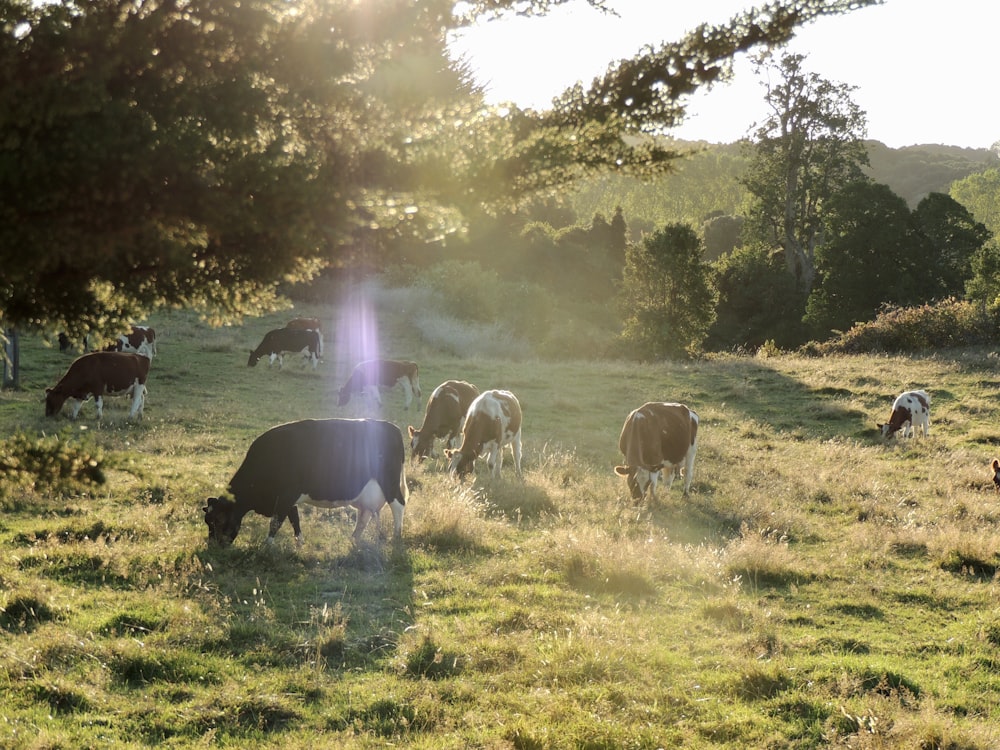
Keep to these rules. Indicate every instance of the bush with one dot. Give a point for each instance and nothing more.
(942, 325)
(49, 463)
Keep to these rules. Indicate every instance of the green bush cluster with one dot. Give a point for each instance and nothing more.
(942, 325)
(52, 463)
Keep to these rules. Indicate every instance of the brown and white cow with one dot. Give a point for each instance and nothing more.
(910, 409)
(275, 343)
(307, 324)
(443, 417)
(369, 377)
(493, 421)
(140, 340)
(657, 437)
(329, 463)
(97, 375)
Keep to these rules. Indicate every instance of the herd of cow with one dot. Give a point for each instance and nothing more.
(361, 462)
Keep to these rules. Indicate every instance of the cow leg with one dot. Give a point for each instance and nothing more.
(397, 518)
(99, 403)
(515, 449)
(138, 399)
(293, 517)
(689, 468)
(77, 406)
(407, 390)
(364, 516)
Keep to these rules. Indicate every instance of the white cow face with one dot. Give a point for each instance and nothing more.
(638, 480)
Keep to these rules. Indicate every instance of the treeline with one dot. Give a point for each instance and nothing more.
(582, 264)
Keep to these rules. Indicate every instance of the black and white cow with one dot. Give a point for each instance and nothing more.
(329, 463)
(100, 374)
(140, 340)
(275, 343)
(369, 377)
(493, 421)
(910, 409)
(443, 417)
(657, 437)
(308, 324)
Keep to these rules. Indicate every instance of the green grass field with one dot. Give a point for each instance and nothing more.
(816, 589)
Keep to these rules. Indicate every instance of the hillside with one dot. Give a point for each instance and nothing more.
(914, 171)
(817, 588)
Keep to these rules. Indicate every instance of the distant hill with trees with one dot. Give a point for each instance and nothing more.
(706, 184)
(915, 171)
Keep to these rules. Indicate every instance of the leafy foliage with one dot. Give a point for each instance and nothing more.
(666, 300)
(944, 325)
(758, 301)
(806, 150)
(197, 155)
(54, 463)
(878, 252)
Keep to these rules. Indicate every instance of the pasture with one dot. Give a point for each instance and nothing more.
(817, 588)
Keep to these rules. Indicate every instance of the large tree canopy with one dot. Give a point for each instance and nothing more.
(200, 152)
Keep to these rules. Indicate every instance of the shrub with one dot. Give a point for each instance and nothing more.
(942, 325)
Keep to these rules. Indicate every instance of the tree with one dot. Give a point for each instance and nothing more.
(874, 254)
(198, 153)
(953, 238)
(666, 299)
(758, 300)
(980, 194)
(809, 147)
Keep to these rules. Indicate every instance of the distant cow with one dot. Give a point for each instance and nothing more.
(97, 375)
(493, 421)
(910, 409)
(307, 324)
(443, 417)
(996, 474)
(657, 437)
(369, 377)
(275, 343)
(329, 463)
(139, 340)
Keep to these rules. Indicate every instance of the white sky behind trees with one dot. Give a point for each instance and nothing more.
(925, 70)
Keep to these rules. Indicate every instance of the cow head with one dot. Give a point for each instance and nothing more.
(459, 463)
(54, 401)
(223, 520)
(888, 430)
(421, 443)
(254, 357)
(343, 396)
(638, 480)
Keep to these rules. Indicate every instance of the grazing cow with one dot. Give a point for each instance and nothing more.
(100, 374)
(307, 324)
(275, 343)
(443, 418)
(493, 421)
(329, 463)
(912, 408)
(657, 437)
(369, 377)
(996, 474)
(140, 340)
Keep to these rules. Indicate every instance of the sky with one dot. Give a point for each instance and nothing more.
(925, 70)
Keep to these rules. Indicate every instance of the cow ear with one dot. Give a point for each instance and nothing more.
(621, 471)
